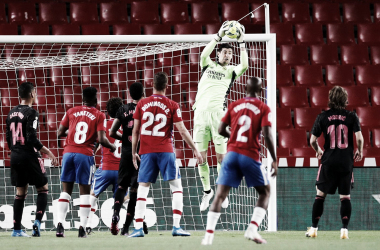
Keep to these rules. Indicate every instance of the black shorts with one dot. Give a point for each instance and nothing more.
(27, 168)
(127, 172)
(329, 181)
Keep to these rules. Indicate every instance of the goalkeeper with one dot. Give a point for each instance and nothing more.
(216, 81)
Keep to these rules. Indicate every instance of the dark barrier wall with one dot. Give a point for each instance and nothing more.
(296, 193)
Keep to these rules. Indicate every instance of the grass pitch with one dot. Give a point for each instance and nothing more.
(223, 240)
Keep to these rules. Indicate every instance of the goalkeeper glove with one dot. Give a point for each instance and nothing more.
(241, 37)
(221, 33)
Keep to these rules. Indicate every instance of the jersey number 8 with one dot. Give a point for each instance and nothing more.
(80, 132)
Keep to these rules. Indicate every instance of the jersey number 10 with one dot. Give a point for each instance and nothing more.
(339, 134)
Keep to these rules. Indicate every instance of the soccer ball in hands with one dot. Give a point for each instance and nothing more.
(233, 29)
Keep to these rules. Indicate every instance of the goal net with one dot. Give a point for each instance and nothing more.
(62, 66)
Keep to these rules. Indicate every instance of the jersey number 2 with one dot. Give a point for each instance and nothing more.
(17, 135)
(341, 130)
(150, 117)
(245, 121)
(80, 132)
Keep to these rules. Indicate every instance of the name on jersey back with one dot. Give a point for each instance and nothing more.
(14, 114)
(246, 105)
(156, 104)
(84, 113)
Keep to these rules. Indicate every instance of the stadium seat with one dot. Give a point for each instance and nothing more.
(282, 152)
(284, 33)
(376, 137)
(174, 13)
(9, 97)
(375, 93)
(309, 33)
(284, 76)
(72, 96)
(205, 12)
(157, 29)
(339, 75)
(191, 93)
(3, 15)
(308, 75)
(8, 79)
(34, 29)
(293, 97)
(95, 29)
(126, 29)
(368, 116)
(49, 139)
(64, 76)
(94, 75)
(354, 54)
(371, 152)
(259, 14)
(181, 74)
(324, 54)
(37, 76)
(83, 13)
(213, 28)
(187, 28)
(284, 118)
(234, 11)
(368, 33)
(65, 29)
(375, 55)
(54, 117)
(377, 12)
(173, 58)
(340, 33)
(53, 13)
(47, 98)
(14, 51)
(357, 96)
(319, 97)
(144, 12)
(305, 117)
(368, 75)
(295, 13)
(366, 137)
(356, 13)
(22, 13)
(113, 13)
(8, 29)
(292, 138)
(294, 55)
(304, 152)
(326, 13)
(254, 28)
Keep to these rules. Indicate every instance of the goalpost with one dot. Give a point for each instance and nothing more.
(61, 66)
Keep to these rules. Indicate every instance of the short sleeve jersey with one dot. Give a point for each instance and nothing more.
(337, 127)
(125, 116)
(157, 114)
(246, 118)
(110, 161)
(83, 123)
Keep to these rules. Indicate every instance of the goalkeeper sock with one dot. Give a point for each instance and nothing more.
(204, 173)
(84, 209)
(142, 194)
(177, 202)
(131, 209)
(18, 208)
(212, 219)
(345, 211)
(257, 217)
(317, 210)
(218, 167)
(63, 206)
(119, 198)
(93, 201)
(41, 204)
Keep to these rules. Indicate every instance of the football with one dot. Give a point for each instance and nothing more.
(233, 29)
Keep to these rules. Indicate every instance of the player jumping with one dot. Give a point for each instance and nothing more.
(155, 117)
(210, 104)
(336, 170)
(246, 117)
(85, 124)
(27, 167)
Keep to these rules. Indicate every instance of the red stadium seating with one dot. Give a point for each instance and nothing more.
(94, 75)
(354, 54)
(8, 79)
(375, 93)
(375, 55)
(283, 152)
(284, 76)
(113, 13)
(47, 98)
(309, 33)
(377, 12)
(368, 75)
(284, 33)
(213, 28)
(126, 29)
(53, 13)
(13, 51)
(8, 29)
(326, 13)
(83, 13)
(371, 152)
(366, 137)
(305, 117)
(170, 58)
(181, 74)
(64, 76)
(340, 33)
(368, 33)
(295, 13)
(187, 28)
(205, 12)
(356, 13)
(284, 118)
(292, 138)
(65, 29)
(34, 29)
(319, 96)
(95, 29)
(144, 12)
(376, 137)
(293, 97)
(34, 75)
(294, 54)
(339, 75)
(54, 117)
(234, 11)
(308, 75)
(368, 116)
(357, 96)
(72, 96)
(123, 75)
(22, 13)
(3, 15)
(259, 14)
(304, 152)
(174, 13)
(9, 97)
(157, 29)
(324, 54)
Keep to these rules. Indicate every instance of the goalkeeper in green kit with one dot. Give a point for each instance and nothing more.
(210, 105)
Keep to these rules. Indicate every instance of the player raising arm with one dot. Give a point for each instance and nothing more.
(155, 117)
(247, 117)
(85, 124)
(210, 104)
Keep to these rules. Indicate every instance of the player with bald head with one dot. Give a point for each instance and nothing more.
(246, 117)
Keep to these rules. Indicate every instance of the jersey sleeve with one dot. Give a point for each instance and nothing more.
(177, 116)
(65, 120)
(137, 114)
(102, 123)
(31, 130)
(317, 128)
(266, 119)
(357, 127)
(8, 133)
(120, 113)
(227, 117)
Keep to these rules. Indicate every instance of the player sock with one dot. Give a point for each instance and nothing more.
(84, 209)
(93, 201)
(212, 219)
(317, 210)
(119, 198)
(18, 208)
(63, 206)
(142, 194)
(204, 173)
(345, 211)
(257, 217)
(41, 204)
(218, 167)
(177, 202)
(131, 209)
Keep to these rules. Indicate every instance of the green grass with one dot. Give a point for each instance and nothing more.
(223, 240)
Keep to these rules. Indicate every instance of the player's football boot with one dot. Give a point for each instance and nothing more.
(206, 200)
(82, 233)
(89, 231)
(114, 225)
(225, 203)
(208, 239)
(60, 230)
(145, 228)
(311, 232)
(137, 233)
(36, 229)
(344, 234)
(124, 231)
(178, 231)
(253, 235)
(19, 233)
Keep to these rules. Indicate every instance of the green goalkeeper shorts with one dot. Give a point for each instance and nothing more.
(205, 128)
